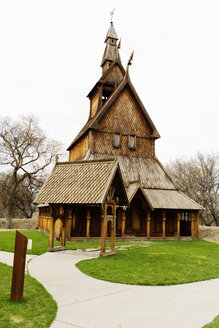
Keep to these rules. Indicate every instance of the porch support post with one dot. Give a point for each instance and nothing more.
(123, 223)
(103, 230)
(74, 219)
(113, 229)
(192, 225)
(163, 225)
(51, 232)
(178, 225)
(88, 223)
(197, 222)
(148, 220)
(69, 223)
(64, 219)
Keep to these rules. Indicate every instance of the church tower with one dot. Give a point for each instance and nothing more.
(118, 123)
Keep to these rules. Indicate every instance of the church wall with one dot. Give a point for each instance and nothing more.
(125, 116)
(94, 104)
(103, 144)
(79, 150)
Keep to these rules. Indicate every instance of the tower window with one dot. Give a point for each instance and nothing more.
(117, 140)
(132, 141)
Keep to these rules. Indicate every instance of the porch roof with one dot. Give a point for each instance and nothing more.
(86, 182)
(170, 199)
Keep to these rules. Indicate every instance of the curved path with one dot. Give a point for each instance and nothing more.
(85, 302)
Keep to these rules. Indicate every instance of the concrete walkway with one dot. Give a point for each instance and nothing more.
(8, 258)
(85, 302)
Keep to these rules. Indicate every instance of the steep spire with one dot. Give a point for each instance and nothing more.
(111, 51)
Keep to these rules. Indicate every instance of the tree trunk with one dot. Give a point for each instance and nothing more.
(8, 217)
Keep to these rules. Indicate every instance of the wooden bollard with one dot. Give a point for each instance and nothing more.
(17, 285)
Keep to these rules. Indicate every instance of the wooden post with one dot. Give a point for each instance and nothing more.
(148, 219)
(197, 220)
(123, 223)
(113, 229)
(74, 220)
(51, 232)
(192, 225)
(69, 213)
(178, 225)
(17, 285)
(103, 229)
(64, 219)
(164, 225)
(88, 223)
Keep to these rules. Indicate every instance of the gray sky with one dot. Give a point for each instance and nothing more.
(50, 54)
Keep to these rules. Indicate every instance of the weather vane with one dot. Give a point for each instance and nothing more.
(111, 14)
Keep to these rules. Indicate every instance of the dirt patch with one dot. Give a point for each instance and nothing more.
(209, 234)
(21, 223)
(16, 319)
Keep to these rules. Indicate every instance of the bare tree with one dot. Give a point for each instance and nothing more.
(199, 179)
(27, 152)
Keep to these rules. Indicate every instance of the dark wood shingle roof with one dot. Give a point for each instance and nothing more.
(79, 183)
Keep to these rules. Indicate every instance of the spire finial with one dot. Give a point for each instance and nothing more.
(130, 59)
(111, 14)
(129, 62)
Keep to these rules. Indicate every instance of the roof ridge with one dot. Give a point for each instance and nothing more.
(108, 160)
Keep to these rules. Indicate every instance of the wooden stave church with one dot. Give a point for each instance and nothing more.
(147, 203)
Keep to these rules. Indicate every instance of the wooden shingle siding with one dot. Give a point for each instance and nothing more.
(103, 145)
(124, 116)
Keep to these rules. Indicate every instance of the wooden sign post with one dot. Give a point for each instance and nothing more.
(17, 285)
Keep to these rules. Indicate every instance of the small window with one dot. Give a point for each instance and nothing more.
(132, 142)
(116, 140)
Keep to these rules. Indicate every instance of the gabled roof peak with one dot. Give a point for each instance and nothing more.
(111, 33)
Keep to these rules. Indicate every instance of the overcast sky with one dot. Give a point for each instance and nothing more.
(50, 54)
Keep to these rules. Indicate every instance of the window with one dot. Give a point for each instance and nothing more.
(116, 142)
(132, 142)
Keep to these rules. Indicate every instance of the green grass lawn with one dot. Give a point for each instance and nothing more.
(213, 324)
(39, 246)
(40, 242)
(37, 308)
(161, 263)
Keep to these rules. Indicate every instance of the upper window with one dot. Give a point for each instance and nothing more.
(132, 140)
(116, 140)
